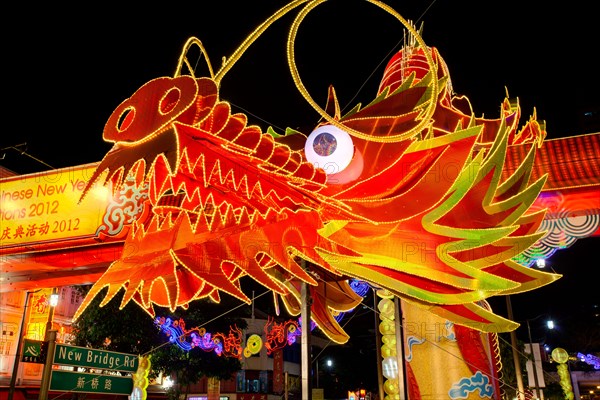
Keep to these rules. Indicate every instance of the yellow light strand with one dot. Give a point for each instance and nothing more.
(425, 118)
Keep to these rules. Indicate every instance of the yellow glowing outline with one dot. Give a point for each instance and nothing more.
(425, 118)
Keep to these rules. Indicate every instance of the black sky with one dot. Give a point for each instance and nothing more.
(69, 67)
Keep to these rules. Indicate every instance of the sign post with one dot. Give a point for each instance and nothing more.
(51, 336)
(84, 382)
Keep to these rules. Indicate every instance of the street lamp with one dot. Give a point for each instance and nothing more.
(328, 364)
(167, 383)
(513, 345)
(53, 303)
(50, 337)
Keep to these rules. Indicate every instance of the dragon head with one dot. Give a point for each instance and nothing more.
(407, 193)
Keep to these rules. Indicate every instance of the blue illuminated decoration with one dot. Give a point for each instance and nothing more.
(277, 335)
(360, 287)
(174, 332)
(590, 359)
(187, 339)
(465, 386)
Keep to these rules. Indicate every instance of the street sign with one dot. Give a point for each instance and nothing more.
(34, 351)
(93, 358)
(66, 381)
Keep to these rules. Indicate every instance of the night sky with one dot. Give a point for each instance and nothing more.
(68, 68)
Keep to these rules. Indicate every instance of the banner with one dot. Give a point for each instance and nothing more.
(278, 371)
(539, 369)
(44, 207)
(446, 361)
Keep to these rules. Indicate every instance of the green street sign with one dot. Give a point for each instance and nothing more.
(34, 351)
(65, 381)
(93, 358)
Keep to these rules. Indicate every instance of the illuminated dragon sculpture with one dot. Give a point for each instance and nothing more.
(406, 193)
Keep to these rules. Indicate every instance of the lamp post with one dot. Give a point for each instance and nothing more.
(533, 361)
(317, 373)
(539, 263)
(513, 344)
(13, 379)
(305, 339)
(328, 364)
(50, 337)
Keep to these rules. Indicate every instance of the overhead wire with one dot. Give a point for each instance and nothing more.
(18, 148)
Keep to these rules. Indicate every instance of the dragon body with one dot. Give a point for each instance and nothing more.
(407, 193)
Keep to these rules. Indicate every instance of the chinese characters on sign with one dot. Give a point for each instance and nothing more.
(34, 351)
(90, 383)
(45, 207)
(278, 371)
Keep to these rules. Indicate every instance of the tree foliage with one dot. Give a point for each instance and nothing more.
(508, 377)
(132, 330)
(128, 330)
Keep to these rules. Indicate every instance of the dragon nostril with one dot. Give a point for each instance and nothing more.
(169, 101)
(125, 119)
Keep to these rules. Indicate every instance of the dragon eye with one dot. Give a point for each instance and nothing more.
(329, 148)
